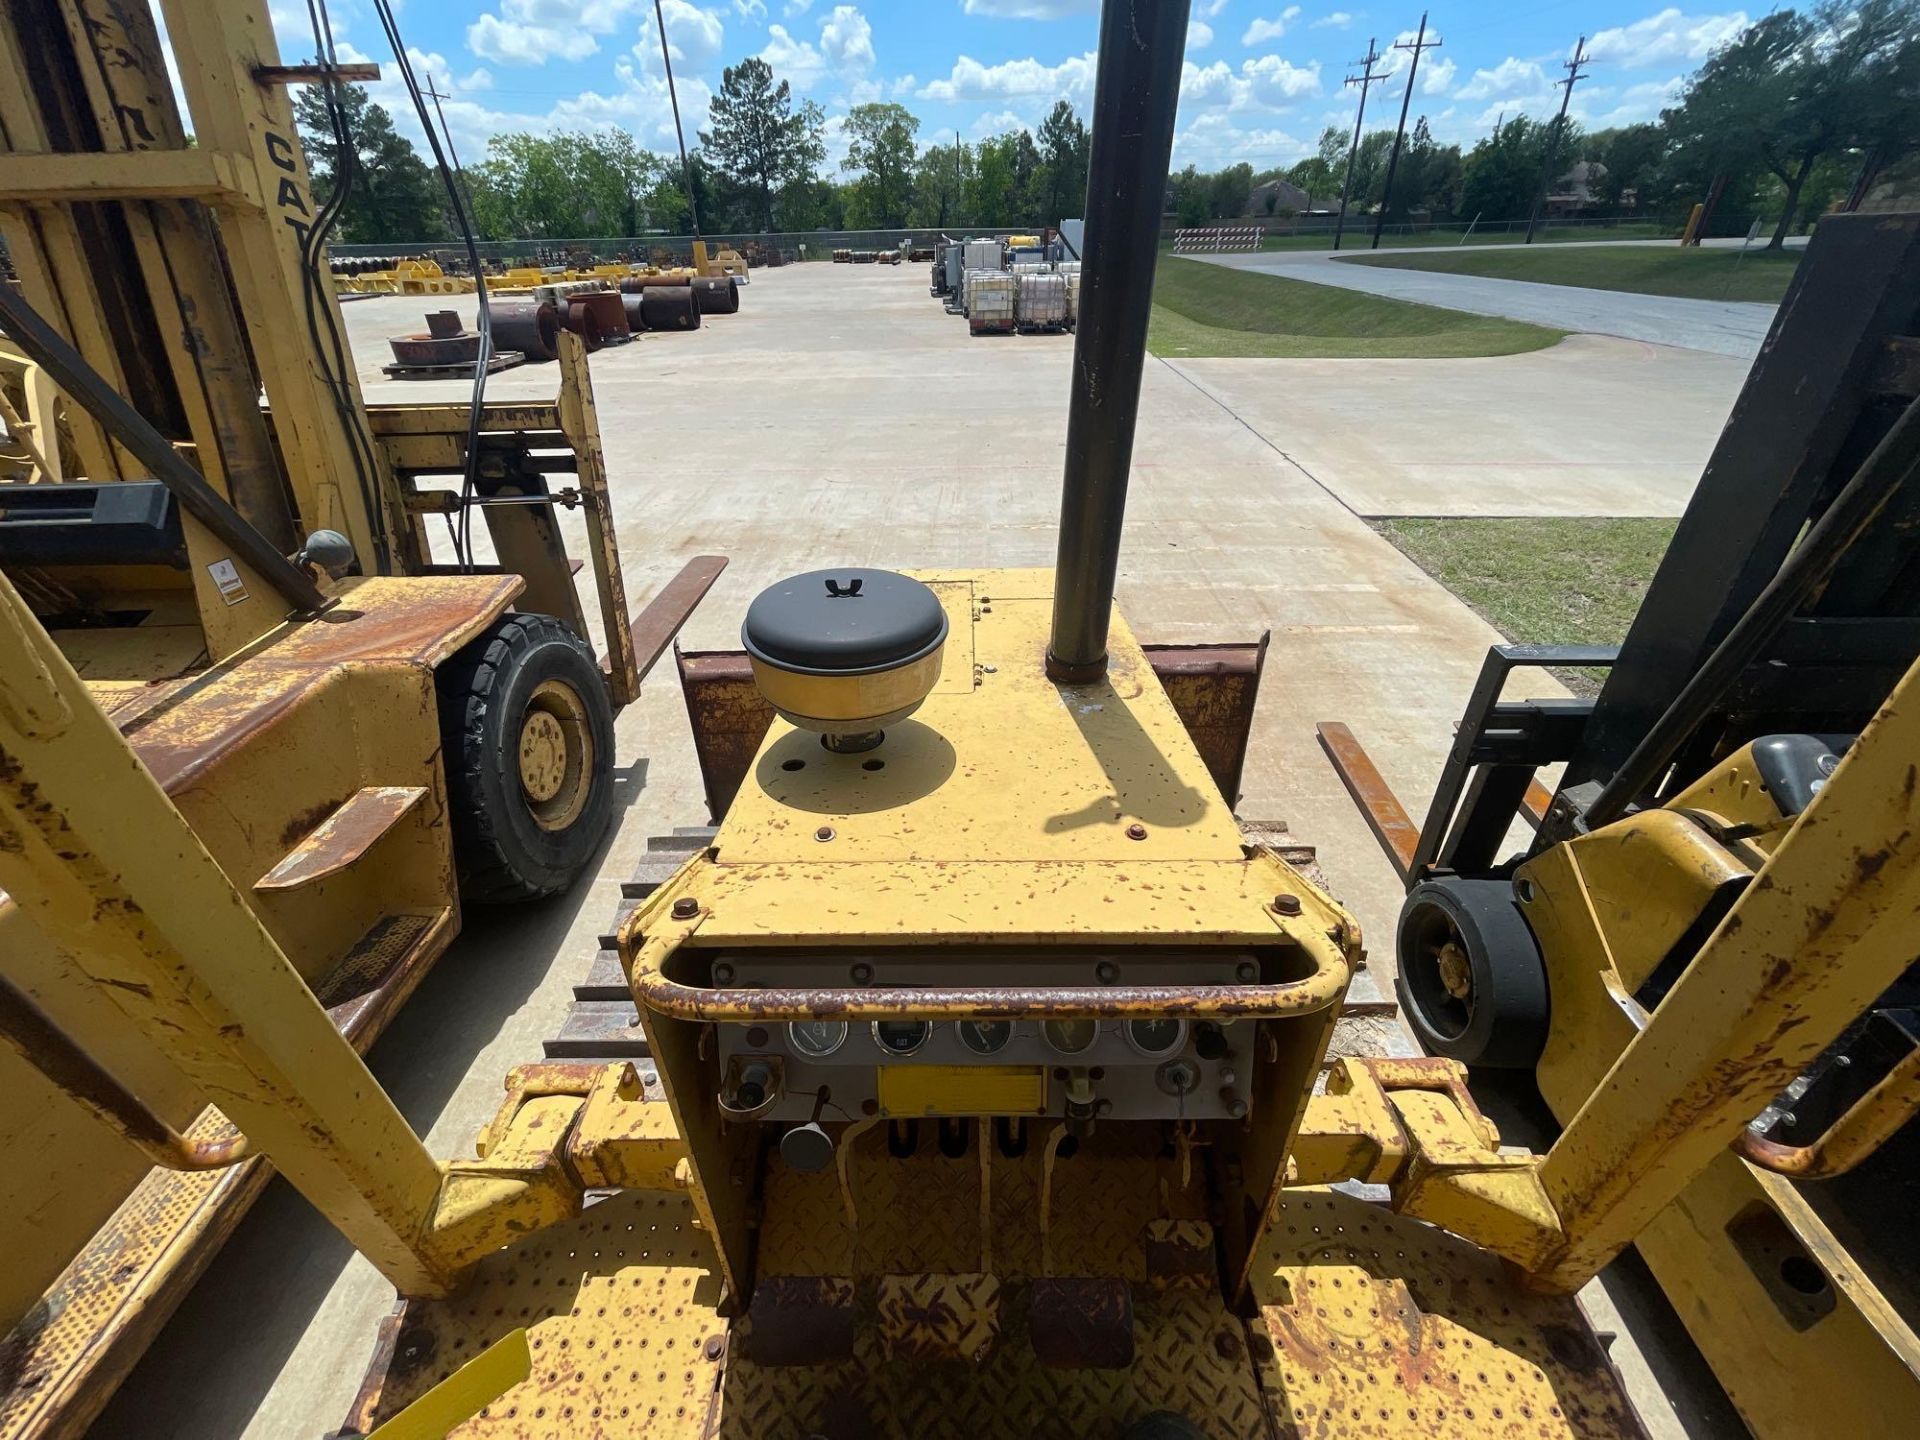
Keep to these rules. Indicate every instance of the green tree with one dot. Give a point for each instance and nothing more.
(1629, 158)
(1501, 175)
(1428, 179)
(880, 154)
(758, 139)
(1795, 87)
(1228, 192)
(941, 180)
(1320, 173)
(992, 200)
(1064, 149)
(392, 195)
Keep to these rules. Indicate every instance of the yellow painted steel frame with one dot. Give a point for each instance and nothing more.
(308, 770)
(1606, 908)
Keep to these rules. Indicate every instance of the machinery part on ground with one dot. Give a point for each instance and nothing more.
(716, 294)
(584, 321)
(610, 316)
(636, 312)
(527, 735)
(527, 324)
(846, 652)
(669, 307)
(437, 347)
(1471, 982)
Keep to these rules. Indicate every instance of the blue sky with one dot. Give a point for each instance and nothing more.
(1261, 78)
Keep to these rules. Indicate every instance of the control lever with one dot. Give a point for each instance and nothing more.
(808, 1148)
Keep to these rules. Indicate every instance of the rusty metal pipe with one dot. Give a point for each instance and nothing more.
(1868, 1123)
(32, 1035)
(1104, 1002)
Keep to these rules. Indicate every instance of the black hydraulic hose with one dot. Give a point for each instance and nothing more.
(1892, 464)
(50, 350)
(483, 362)
(1136, 90)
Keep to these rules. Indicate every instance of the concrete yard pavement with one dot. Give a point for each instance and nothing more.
(1721, 327)
(1592, 426)
(840, 417)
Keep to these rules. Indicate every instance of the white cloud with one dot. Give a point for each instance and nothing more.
(846, 40)
(750, 9)
(1030, 9)
(1333, 20)
(998, 122)
(694, 36)
(1071, 79)
(1261, 31)
(1210, 8)
(1666, 38)
(792, 59)
(845, 52)
(1439, 75)
(1199, 35)
(1635, 104)
(1213, 141)
(1274, 81)
(531, 32)
(1266, 82)
(1511, 80)
(796, 7)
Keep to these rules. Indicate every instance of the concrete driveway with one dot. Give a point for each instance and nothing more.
(1720, 327)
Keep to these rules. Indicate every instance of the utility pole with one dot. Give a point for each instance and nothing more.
(433, 89)
(1420, 42)
(666, 55)
(1366, 79)
(1574, 77)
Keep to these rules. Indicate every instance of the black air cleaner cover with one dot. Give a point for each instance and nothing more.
(843, 622)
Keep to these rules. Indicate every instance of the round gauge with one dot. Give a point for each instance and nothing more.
(1156, 1038)
(985, 1037)
(817, 1039)
(1070, 1037)
(901, 1037)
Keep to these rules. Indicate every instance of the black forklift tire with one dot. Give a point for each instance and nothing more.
(526, 734)
(1500, 1023)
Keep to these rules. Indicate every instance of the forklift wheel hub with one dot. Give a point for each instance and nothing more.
(556, 755)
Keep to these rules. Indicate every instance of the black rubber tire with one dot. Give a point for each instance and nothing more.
(1502, 1022)
(502, 852)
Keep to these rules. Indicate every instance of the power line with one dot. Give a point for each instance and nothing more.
(1366, 80)
(1574, 77)
(1420, 43)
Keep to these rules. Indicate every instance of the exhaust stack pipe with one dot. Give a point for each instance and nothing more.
(1136, 91)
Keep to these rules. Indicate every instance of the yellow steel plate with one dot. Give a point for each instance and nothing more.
(1383, 1326)
(999, 763)
(962, 1089)
(619, 1306)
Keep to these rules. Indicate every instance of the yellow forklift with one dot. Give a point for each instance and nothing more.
(1780, 628)
(363, 738)
(988, 1088)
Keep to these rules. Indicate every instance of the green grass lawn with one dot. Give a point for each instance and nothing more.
(1209, 310)
(1548, 581)
(1698, 274)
